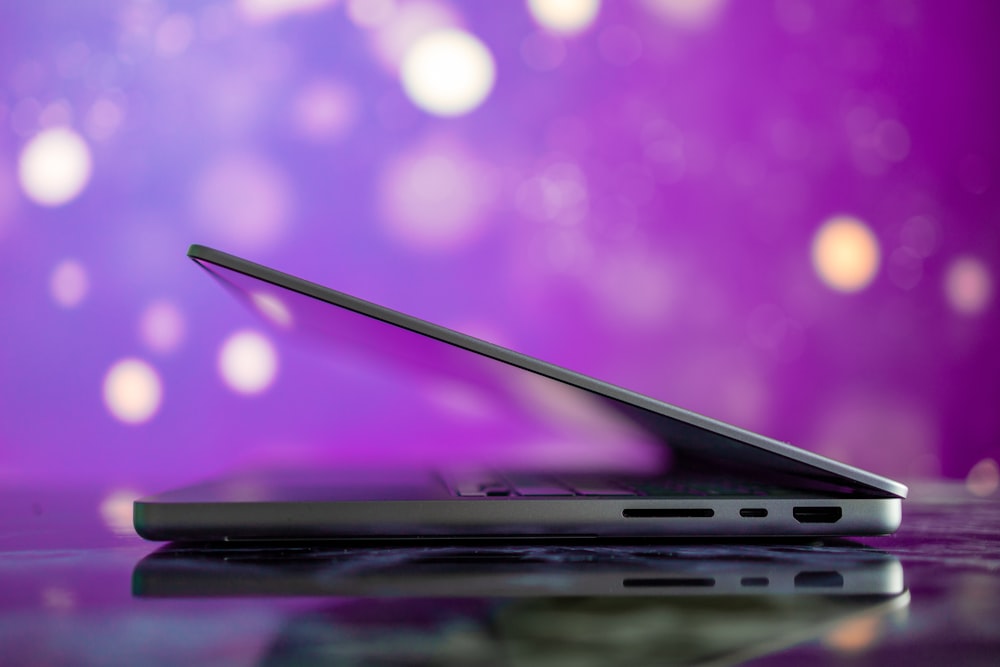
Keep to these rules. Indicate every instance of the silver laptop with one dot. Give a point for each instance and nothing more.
(636, 467)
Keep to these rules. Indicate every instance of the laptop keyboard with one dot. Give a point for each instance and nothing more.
(501, 485)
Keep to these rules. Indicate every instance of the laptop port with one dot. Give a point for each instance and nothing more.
(670, 582)
(817, 514)
(753, 512)
(755, 582)
(819, 579)
(684, 512)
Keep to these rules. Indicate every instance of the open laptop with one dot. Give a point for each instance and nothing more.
(636, 466)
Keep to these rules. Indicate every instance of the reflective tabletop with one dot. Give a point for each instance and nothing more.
(77, 586)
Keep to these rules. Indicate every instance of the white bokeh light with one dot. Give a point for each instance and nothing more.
(845, 254)
(132, 391)
(54, 167)
(161, 326)
(448, 72)
(687, 13)
(248, 362)
(69, 283)
(968, 286)
(564, 16)
(116, 511)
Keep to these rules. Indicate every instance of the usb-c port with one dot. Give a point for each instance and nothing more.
(753, 512)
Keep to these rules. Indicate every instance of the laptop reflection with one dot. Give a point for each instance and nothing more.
(540, 604)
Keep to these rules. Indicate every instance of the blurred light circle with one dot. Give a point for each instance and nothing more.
(69, 283)
(58, 598)
(854, 635)
(558, 193)
(448, 72)
(565, 16)
(408, 22)
(54, 167)
(370, 13)
(269, 10)
(116, 511)
(273, 309)
(436, 199)
(984, 478)
(104, 118)
(174, 34)
(845, 254)
(244, 200)
(55, 115)
(132, 391)
(248, 362)
(968, 286)
(687, 13)
(161, 326)
(636, 291)
(325, 110)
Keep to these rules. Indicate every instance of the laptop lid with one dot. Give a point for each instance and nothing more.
(528, 396)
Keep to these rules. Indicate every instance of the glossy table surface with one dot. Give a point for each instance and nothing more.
(78, 587)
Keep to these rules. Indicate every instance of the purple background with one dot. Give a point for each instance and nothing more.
(637, 201)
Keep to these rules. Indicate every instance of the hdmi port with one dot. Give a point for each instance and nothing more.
(817, 514)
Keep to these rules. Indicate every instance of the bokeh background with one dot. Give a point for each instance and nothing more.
(781, 213)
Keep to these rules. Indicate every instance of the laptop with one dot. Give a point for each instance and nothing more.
(615, 463)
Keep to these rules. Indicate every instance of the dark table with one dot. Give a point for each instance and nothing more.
(78, 587)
